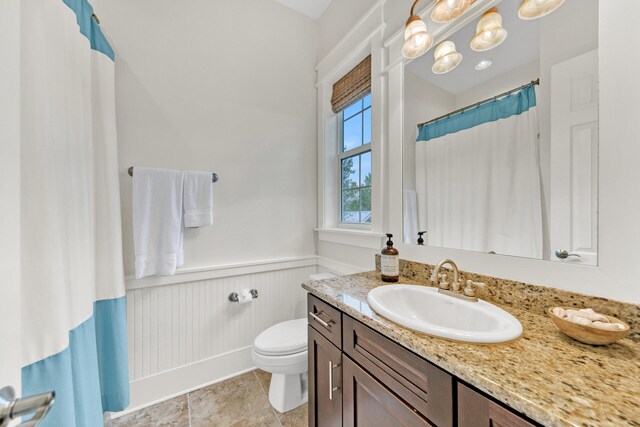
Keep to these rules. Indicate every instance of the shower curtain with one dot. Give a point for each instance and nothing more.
(73, 295)
(478, 178)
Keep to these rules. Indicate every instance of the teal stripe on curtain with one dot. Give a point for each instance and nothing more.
(87, 383)
(511, 105)
(88, 27)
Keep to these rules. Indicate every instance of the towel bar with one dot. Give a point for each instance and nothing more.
(214, 176)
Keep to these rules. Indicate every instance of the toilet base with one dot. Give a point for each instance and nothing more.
(288, 391)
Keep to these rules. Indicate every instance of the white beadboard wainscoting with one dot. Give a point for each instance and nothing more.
(184, 332)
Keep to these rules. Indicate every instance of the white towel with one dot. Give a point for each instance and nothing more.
(157, 221)
(410, 216)
(198, 199)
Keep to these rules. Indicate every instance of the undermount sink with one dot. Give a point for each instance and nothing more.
(424, 309)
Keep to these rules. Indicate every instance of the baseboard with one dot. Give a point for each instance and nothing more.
(166, 385)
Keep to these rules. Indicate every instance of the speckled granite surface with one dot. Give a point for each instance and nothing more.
(536, 299)
(546, 375)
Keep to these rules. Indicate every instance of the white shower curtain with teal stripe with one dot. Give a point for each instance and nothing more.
(73, 306)
(478, 178)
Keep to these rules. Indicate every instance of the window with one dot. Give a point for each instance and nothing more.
(355, 162)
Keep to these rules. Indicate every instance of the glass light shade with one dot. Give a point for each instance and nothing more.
(446, 58)
(533, 9)
(416, 39)
(489, 31)
(448, 10)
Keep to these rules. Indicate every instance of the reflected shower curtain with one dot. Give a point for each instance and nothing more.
(478, 178)
(73, 306)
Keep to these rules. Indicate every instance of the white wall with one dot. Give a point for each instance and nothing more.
(499, 84)
(337, 20)
(422, 101)
(194, 90)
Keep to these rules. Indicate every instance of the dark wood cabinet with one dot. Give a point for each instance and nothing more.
(325, 381)
(476, 410)
(359, 377)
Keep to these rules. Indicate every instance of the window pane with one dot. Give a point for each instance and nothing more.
(367, 101)
(365, 204)
(365, 169)
(351, 206)
(350, 172)
(367, 126)
(352, 109)
(352, 133)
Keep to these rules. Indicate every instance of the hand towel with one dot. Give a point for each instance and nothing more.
(410, 216)
(198, 199)
(157, 221)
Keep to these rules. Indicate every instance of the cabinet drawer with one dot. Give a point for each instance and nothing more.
(368, 403)
(476, 410)
(427, 388)
(326, 319)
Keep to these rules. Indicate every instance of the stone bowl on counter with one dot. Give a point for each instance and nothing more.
(589, 334)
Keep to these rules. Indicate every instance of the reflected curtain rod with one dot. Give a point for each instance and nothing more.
(477, 104)
(214, 176)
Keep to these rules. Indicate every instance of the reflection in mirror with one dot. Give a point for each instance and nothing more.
(494, 163)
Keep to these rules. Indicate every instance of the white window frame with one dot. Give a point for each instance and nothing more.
(346, 55)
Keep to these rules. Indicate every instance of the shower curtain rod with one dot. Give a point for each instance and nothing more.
(477, 104)
(214, 176)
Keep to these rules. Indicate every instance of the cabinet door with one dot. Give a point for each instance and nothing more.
(367, 403)
(476, 410)
(325, 392)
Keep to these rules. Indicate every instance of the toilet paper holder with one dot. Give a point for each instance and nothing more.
(233, 296)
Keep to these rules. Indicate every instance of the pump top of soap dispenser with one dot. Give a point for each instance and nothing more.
(389, 242)
(420, 239)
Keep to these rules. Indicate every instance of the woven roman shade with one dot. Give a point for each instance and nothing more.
(356, 84)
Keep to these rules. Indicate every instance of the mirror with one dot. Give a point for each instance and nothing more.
(518, 174)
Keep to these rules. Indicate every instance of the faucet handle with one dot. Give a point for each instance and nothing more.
(443, 281)
(470, 289)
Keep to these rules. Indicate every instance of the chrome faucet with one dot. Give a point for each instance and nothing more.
(455, 289)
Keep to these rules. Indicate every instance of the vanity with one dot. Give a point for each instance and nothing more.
(366, 370)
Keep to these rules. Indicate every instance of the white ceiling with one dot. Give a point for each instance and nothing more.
(521, 47)
(312, 8)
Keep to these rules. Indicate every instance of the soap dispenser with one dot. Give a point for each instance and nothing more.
(390, 262)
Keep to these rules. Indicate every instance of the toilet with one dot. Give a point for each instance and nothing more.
(282, 350)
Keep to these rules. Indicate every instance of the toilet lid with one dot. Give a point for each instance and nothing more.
(284, 338)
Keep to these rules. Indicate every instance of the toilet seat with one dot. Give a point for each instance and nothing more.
(286, 338)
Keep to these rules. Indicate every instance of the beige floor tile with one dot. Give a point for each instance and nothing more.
(173, 412)
(264, 378)
(295, 418)
(227, 402)
(264, 418)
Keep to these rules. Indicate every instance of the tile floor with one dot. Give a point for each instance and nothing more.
(239, 402)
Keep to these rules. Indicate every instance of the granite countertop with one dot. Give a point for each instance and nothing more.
(545, 375)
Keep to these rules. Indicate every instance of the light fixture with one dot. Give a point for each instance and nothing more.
(533, 9)
(446, 57)
(448, 10)
(416, 38)
(484, 64)
(489, 31)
